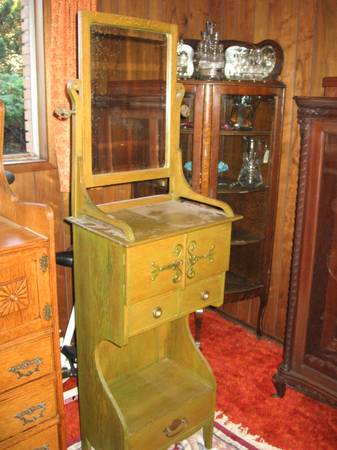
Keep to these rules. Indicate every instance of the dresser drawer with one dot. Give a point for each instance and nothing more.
(44, 440)
(27, 406)
(151, 312)
(24, 293)
(207, 252)
(25, 361)
(155, 268)
(201, 294)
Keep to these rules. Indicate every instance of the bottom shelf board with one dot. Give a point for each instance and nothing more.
(157, 390)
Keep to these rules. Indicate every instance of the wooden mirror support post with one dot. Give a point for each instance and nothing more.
(31, 396)
(142, 263)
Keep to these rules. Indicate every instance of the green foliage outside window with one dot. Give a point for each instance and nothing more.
(11, 77)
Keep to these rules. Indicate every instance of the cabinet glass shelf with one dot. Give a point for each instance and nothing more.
(237, 189)
(239, 284)
(245, 238)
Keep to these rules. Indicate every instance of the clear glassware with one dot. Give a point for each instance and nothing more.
(210, 57)
(250, 174)
(243, 112)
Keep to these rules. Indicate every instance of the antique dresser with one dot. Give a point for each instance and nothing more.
(31, 400)
(147, 249)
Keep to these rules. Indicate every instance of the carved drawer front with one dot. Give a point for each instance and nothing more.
(24, 293)
(207, 253)
(25, 361)
(203, 293)
(27, 406)
(173, 425)
(44, 440)
(155, 268)
(149, 313)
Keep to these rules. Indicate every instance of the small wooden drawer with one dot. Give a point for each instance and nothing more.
(44, 440)
(27, 406)
(172, 427)
(207, 253)
(149, 313)
(201, 294)
(155, 268)
(25, 361)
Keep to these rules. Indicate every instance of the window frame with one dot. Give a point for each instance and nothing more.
(41, 158)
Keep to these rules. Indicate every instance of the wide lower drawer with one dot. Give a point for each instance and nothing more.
(201, 294)
(27, 406)
(44, 440)
(174, 426)
(25, 361)
(151, 312)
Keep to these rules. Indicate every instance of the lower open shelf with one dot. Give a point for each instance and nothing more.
(161, 389)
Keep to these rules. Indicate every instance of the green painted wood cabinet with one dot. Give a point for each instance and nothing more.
(142, 264)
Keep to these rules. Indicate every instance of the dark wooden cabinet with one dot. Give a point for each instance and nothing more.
(220, 121)
(310, 357)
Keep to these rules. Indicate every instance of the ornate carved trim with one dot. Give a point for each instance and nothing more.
(13, 296)
(292, 300)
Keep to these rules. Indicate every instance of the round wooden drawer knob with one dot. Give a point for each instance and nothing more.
(157, 312)
(204, 295)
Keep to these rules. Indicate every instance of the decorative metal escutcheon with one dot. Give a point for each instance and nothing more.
(192, 259)
(44, 262)
(175, 265)
(31, 414)
(20, 369)
(47, 312)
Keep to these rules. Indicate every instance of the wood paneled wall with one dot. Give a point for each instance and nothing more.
(306, 29)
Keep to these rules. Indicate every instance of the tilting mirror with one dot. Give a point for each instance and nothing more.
(128, 85)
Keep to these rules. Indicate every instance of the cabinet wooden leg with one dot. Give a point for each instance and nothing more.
(198, 324)
(86, 444)
(262, 308)
(208, 434)
(280, 386)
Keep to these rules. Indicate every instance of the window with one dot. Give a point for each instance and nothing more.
(22, 79)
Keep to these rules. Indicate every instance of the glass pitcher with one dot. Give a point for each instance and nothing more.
(250, 174)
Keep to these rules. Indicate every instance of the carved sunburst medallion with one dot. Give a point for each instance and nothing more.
(13, 296)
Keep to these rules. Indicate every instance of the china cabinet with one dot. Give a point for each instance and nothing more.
(230, 139)
(140, 265)
(31, 398)
(310, 356)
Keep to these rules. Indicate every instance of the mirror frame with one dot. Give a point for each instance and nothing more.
(85, 20)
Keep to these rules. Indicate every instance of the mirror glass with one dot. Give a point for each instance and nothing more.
(128, 104)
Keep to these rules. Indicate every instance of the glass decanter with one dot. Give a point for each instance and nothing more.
(250, 174)
(210, 58)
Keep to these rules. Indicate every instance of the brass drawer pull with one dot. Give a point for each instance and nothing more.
(204, 295)
(27, 416)
(44, 447)
(20, 369)
(176, 427)
(157, 312)
(192, 259)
